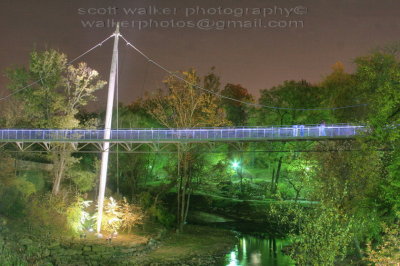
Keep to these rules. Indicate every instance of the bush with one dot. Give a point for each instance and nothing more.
(387, 252)
(78, 218)
(13, 203)
(161, 215)
(48, 212)
(14, 197)
(37, 178)
(324, 237)
(119, 215)
(131, 215)
(285, 192)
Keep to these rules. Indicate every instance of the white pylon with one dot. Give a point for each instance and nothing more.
(107, 130)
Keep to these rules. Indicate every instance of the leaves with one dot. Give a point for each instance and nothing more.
(184, 105)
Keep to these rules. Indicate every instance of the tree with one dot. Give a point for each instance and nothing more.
(236, 112)
(184, 105)
(340, 89)
(299, 172)
(54, 100)
(287, 97)
(378, 77)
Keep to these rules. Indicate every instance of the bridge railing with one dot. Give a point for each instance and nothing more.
(249, 133)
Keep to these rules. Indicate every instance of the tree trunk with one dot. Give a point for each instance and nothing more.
(272, 181)
(278, 172)
(190, 190)
(59, 165)
(241, 174)
(179, 190)
(184, 190)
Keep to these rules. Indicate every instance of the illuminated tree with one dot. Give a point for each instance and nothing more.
(184, 105)
(54, 100)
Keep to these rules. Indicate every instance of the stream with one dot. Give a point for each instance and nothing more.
(253, 250)
(255, 246)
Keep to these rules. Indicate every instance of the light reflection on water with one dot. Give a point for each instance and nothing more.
(253, 251)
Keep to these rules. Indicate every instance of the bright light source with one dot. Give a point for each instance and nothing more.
(235, 165)
(307, 168)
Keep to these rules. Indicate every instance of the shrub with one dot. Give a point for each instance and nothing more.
(13, 203)
(119, 215)
(387, 252)
(78, 218)
(131, 215)
(14, 197)
(48, 212)
(161, 215)
(323, 238)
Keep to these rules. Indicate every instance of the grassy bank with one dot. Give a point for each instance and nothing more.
(197, 245)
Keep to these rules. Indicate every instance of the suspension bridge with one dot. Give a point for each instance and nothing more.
(23, 138)
(105, 138)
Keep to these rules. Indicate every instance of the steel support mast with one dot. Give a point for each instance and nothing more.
(107, 130)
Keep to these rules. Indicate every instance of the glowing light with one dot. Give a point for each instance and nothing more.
(235, 165)
(233, 259)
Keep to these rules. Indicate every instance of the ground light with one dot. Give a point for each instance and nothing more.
(235, 165)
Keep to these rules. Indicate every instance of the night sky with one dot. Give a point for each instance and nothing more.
(273, 40)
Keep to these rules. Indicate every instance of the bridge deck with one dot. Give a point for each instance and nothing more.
(280, 133)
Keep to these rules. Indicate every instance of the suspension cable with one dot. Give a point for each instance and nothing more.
(69, 63)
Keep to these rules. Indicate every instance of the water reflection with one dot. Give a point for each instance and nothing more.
(258, 251)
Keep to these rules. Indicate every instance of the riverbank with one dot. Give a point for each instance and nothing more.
(197, 245)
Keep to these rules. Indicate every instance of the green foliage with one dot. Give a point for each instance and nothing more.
(77, 216)
(391, 188)
(13, 202)
(57, 93)
(162, 215)
(387, 252)
(155, 210)
(62, 89)
(15, 198)
(84, 180)
(25, 187)
(37, 178)
(47, 213)
(324, 236)
(285, 192)
(286, 217)
(145, 200)
(8, 257)
(291, 94)
(340, 89)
